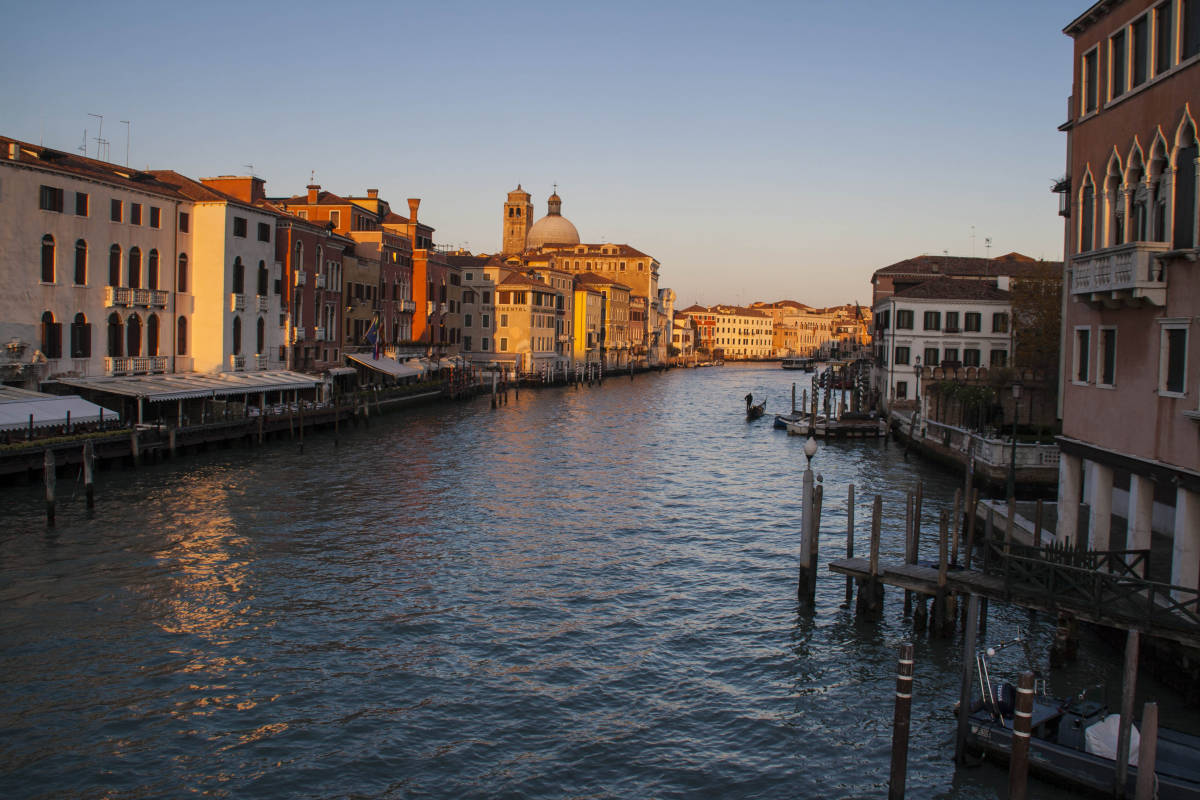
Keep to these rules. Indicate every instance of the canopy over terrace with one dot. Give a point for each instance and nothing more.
(19, 406)
(388, 366)
(190, 386)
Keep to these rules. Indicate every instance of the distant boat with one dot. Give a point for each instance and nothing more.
(753, 412)
(782, 420)
(805, 364)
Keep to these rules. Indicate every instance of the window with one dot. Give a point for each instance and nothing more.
(933, 320)
(904, 318)
(467, 321)
(901, 390)
(81, 204)
(152, 270)
(336, 218)
(152, 335)
(504, 320)
(1087, 212)
(998, 358)
(50, 198)
(237, 336)
(483, 344)
(47, 259)
(930, 358)
(135, 213)
(1118, 57)
(1184, 232)
(133, 336)
(114, 265)
(1083, 354)
(1108, 357)
(239, 276)
(950, 355)
(155, 217)
(1191, 29)
(80, 262)
(116, 211)
(1000, 322)
(116, 346)
(951, 322)
(260, 337)
(487, 298)
(503, 346)
(971, 357)
(51, 336)
(263, 278)
(1089, 82)
(239, 227)
(184, 221)
(1164, 38)
(972, 321)
(264, 232)
(1172, 368)
(81, 337)
(466, 344)
(1141, 51)
(134, 273)
(902, 355)
(485, 321)
(181, 336)
(181, 275)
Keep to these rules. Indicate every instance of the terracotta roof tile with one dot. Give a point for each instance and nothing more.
(954, 289)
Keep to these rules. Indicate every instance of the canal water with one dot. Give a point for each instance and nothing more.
(587, 593)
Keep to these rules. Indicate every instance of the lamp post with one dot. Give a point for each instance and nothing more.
(917, 385)
(808, 535)
(1012, 462)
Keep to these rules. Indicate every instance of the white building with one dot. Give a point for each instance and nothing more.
(90, 254)
(733, 332)
(941, 322)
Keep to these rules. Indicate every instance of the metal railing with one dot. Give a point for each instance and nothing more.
(126, 296)
(134, 365)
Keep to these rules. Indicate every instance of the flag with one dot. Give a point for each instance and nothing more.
(372, 335)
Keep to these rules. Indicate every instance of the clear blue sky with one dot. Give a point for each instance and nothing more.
(759, 150)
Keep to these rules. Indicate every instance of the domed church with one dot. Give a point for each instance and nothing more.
(552, 229)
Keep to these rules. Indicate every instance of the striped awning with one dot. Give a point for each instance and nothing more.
(186, 386)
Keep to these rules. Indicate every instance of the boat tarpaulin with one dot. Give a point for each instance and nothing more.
(1101, 739)
(388, 366)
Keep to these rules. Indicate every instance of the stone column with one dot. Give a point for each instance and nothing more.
(1141, 512)
(1070, 476)
(1185, 553)
(1100, 481)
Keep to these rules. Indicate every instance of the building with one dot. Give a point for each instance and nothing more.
(888, 280)
(615, 345)
(732, 332)
(683, 339)
(1131, 367)
(98, 268)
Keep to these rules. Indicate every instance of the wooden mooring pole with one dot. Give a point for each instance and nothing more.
(909, 555)
(870, 592)
(943, 619)
(1148, 752)
(89, 468)
(970, 634)
(1018, 767)
(1128, 690)
(50, 479)
(849, 536)
(900, 722)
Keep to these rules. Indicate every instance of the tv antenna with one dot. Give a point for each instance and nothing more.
(972, 241)
(99, 133)
(128, 132)
(249, 168)
(987, 245)
(83, 147)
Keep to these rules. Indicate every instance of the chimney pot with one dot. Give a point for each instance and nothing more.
(313, 190)
(373, 194)
(413, 204)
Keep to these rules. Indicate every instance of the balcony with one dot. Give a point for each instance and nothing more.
(408, 305)
(125, 296)
(261, 302)
(319, 334)
(1128, 274)
(320, 281)
(298, 334)
(135, 365)
(260, 362)
(301, 277)
(237, 302)
(237, 363)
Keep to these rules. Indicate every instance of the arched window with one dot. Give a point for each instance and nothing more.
(51, 336)
(80, 262)
(1184, 230)
(133, 335)
(47, 259)
(114, 265)
(181, 336)
(237, 336)
(115, 336)
(262, 278)
(319, 267)
(181, 281)
(239, 276)
(1158, 192)
(152, 335)
(1087, 215)
(81, 337)
(152, 270)
(1114, 201)
(134, 273)
(1139, 201)
(261, 338)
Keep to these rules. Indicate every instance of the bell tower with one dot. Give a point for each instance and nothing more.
(518, 216)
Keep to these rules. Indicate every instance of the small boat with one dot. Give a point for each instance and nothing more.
(1074, 740)
(753, 412)
(782, 420)
(805, 364)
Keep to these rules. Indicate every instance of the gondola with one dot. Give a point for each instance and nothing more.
(753, 412)
(1074, 740)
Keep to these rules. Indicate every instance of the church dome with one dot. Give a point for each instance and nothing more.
(553, 228)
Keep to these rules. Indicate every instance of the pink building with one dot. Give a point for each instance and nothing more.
(1131, 366)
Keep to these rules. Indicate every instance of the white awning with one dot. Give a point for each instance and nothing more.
(338, 371)
(49, 411)
(185, 386)
(388, 366)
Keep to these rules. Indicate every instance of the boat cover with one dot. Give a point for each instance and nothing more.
(1101, 739)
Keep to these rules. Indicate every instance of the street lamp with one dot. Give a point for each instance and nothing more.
(917, 385)
(1012, 462)
(810, 450)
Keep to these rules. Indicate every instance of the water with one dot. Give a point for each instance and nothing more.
(587, 593)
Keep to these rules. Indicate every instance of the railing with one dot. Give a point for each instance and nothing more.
(260, 362)
(135, 365)
(301, 276)
(993, 452)
(1131, 269)
(126, 296)
(408, 305)
(261, 302)
(298, 334)
(237, 363)
(1109, 584)
(237, 302)
(320, 281)
(319, 334)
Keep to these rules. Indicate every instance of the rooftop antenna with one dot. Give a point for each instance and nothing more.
(100, 132)
(312, 177)
(987, 245)
(128, 132)
(249, 168)
(83, 147)
(972, 241)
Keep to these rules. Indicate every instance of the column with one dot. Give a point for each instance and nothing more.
(1185, 553)
(1141, 512)
(1100, 481)
(1070, 477)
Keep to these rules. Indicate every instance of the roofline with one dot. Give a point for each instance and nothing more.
(1085, 20)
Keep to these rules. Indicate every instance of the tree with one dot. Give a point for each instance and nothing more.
(1037, 317)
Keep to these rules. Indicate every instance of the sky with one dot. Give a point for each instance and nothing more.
(758, 150)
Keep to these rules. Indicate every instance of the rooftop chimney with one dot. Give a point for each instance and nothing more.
(14, 151)
(313, 190)
(413, 203)
(1004, 283)
(373, 194)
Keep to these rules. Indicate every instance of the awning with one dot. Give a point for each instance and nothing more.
(388, 366)
(186, 386)
(339, 371)
(49, 411)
